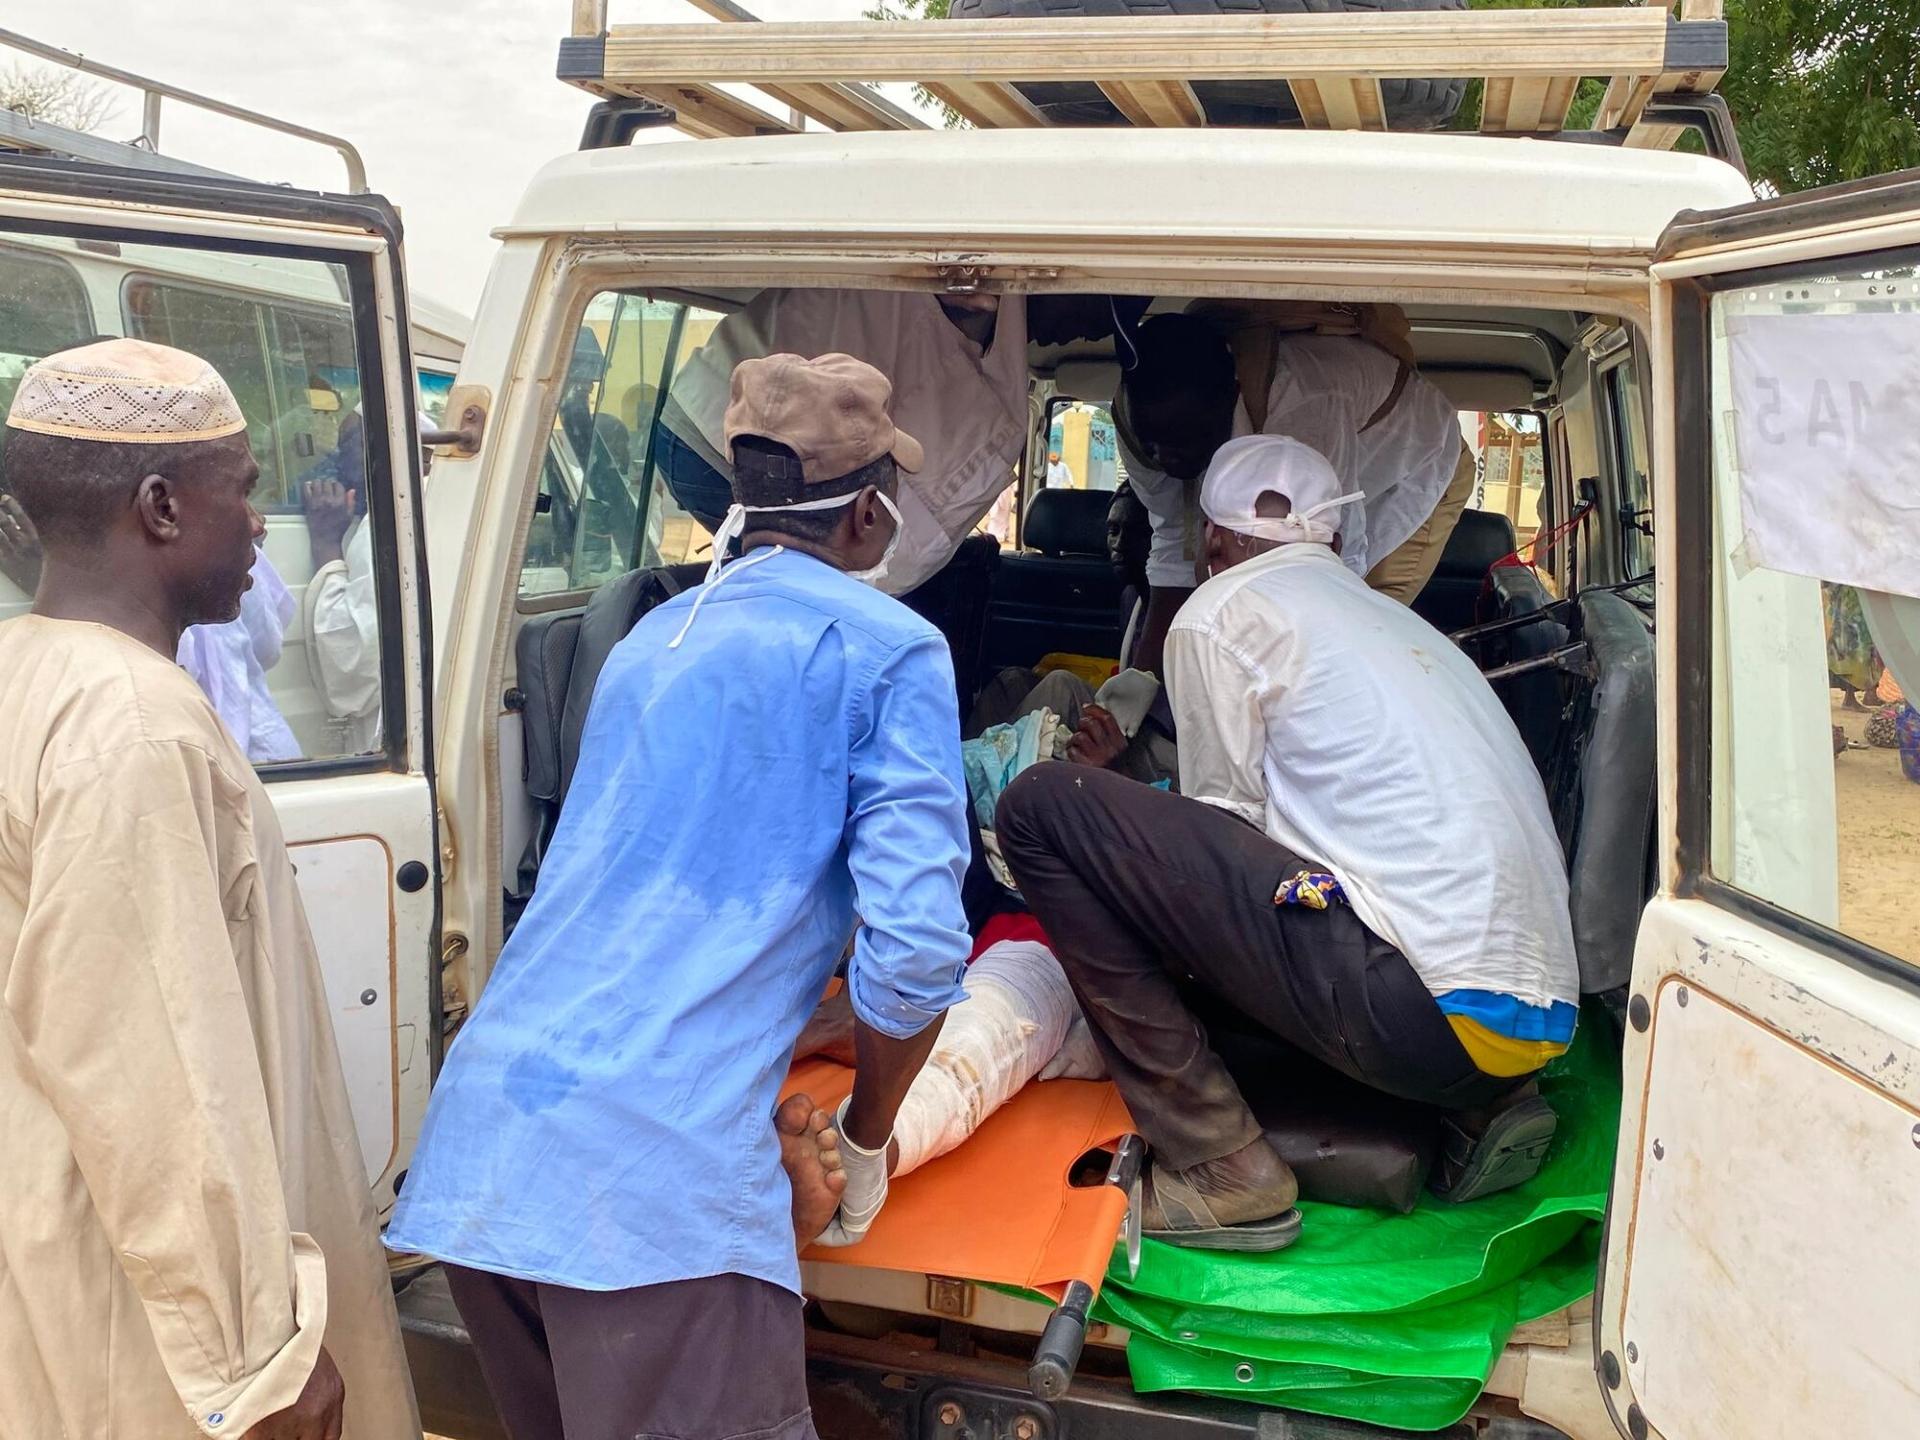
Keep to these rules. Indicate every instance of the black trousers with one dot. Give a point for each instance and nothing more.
(1146, 895)
(712, 1359)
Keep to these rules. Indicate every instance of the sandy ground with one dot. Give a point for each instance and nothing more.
(1879, 844)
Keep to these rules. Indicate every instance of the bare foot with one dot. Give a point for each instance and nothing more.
(810, 1154)
(830, 1030)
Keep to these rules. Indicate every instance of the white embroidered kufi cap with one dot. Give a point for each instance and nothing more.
(126, 392)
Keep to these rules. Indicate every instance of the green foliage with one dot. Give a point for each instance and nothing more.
(1824, 90)
(918, 10)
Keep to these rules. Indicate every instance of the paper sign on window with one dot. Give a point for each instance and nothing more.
(1826, 424)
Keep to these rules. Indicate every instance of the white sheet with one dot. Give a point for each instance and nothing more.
(1825, 413)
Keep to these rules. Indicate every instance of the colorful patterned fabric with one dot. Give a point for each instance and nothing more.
(1311, 888)
(1505, 1035)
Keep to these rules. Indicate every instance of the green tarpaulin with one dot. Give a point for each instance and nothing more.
(1392, 1319)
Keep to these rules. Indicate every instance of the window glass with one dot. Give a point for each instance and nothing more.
(673, 536)
(605, 503)
(1082, 450)
(434, 386)
(298, 675)
(1510, 461)
(1815, 742)
(1627, 414)
(1082, 453)
(293, 369)
(43, 308)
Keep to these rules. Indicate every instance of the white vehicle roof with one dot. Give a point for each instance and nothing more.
(1449, 189)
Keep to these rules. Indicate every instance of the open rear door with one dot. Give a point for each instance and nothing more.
(297, 300)
(1763, 1251)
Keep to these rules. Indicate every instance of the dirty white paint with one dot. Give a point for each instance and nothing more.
(349, 836)
(1762, 1261)
(345, 884)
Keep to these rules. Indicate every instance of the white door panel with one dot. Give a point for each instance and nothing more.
(337, 877)
(359, 817)
(1761, 1261)
(350, 837)
(1763, 1269)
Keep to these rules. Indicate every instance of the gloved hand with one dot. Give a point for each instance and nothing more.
(866, 1192)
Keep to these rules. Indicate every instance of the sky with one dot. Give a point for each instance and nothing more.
(452, 105)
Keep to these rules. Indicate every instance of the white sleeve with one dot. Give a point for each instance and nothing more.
(1169, 560)
(1217, 715)
(346, 629)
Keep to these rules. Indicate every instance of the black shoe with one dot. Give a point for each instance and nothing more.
(1506, 1152)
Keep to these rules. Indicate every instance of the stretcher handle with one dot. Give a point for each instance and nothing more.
(1061, 1342)
(1065, 1335)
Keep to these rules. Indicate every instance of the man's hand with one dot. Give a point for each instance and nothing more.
(20, 553)
(330, 508)
(1099, 741)
(316, 1415)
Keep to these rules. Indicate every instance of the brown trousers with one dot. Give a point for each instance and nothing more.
(722, 1358)
(1404, 573)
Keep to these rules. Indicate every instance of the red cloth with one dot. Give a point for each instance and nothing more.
(1010, 926)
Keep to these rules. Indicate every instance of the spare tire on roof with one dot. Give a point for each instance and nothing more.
(1411, 104)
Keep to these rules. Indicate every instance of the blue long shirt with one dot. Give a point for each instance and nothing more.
(604, 1120)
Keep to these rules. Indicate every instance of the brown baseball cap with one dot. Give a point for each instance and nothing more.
(830, 411)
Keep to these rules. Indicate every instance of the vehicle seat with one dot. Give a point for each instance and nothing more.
(1452, 599)
(558, 660)
(1060, 593)
(1602, 788)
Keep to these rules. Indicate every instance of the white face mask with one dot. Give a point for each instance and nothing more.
(736, 521)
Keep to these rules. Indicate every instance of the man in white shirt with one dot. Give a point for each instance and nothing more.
(1343, 383)
(959, 369)
(1361, 861)
(1059, 477)
(342, 604)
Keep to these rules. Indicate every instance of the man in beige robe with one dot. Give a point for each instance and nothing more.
(187, 1243)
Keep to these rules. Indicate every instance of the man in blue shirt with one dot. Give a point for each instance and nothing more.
(771, 764)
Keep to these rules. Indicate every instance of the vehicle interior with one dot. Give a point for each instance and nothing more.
(1551, 402)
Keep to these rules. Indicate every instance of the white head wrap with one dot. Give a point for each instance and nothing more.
(126, 392)
(1245, 469)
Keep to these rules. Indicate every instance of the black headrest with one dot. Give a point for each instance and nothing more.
(1480, 540)
(1068, 522)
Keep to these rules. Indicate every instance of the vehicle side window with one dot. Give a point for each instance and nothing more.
(293, 369)
(1627, 416)
(302, 674)
(1815, 742)
(604, 504)
(1512, 468)
(43, 308)
(1082, 453)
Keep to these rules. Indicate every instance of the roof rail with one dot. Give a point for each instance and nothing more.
(1532, 61)
(34, 135)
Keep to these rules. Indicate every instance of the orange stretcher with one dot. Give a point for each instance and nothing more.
(1002, 1209)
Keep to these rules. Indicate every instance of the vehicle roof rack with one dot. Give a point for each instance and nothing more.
(1532, 61)
(38, 137)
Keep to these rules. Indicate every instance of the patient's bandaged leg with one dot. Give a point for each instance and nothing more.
(1015, 1015)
